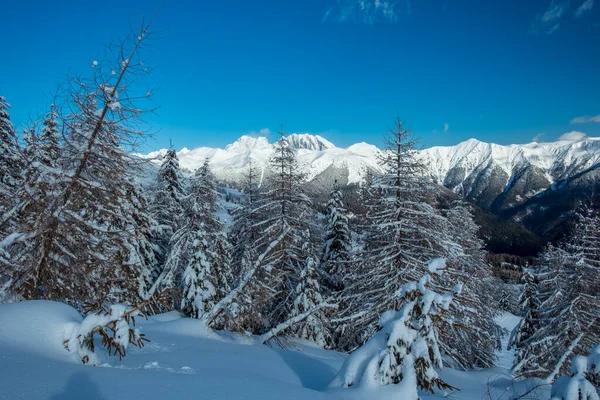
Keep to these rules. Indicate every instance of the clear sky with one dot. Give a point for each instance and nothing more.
(501, 71)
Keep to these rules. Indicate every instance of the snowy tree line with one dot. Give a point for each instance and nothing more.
(561, 305)
(77, 226)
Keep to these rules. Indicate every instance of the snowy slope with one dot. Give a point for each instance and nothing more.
(186, 361)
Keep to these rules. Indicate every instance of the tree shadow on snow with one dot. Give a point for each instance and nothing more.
(313, 373)
(79, 386)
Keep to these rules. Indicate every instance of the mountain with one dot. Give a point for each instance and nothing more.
(315, 156)
(529, 183)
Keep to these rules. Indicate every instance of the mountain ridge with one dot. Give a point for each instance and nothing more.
(527, 183)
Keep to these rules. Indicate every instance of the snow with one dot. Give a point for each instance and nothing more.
(186, 360)
(557, 160)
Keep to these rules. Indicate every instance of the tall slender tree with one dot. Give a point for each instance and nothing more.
(472, 339)
(336, 251)
(283, 207)
(567, 321)
(89, 240)
(207, 273)
(10, 169)
(404, 231)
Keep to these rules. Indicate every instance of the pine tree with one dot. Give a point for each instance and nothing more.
(10, 169)
(405, 349)
(283, 208)
(473, 337)
(567, 316)
(309, 297)
(31, 150)
(49, 141)
(579, 384)
(200, 292)
(166, 206)
(85, 238)
(243, 315)
(529, 302)
(404, 231)
(200, 257)
(243, 233)
(336, 252)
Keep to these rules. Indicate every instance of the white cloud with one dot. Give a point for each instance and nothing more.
(367, 11)
(548, 21)
(446, 127)
(573, 136)
(261, 132)
(584, 8)
(537, 137)
(585, 119)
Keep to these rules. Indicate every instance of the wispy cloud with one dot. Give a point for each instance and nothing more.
(538, 137)
(446, 127)
(366, 11)
(585, 119)
(573, 136)
(261, 132)
(549, 21)
(584, 8)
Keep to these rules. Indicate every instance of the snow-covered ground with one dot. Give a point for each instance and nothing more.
(186, 361)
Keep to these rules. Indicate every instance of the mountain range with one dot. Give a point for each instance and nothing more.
(534, 184)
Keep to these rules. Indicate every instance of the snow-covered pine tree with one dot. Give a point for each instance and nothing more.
(473, 337)
(283, 207)
(49, 140)
(201, 250)
(31, 149)
(405, 349)
(243, 232)
(11, 164)
(336, 252)
(86, 242)
(579, 384)
(403, 232)
(567, 323)
(200, 291)
(166, 206)
(314, 327)
(242, 237)
(530, 304)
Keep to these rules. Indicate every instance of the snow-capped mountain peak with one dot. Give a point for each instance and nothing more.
(248, 143)
(491, 175)
(309, 142)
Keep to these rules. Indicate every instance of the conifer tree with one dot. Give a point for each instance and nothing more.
(529, 302)
(309, 297)
(567, 316)
(243, 233)
(403, 232)
(49, 140)
(473, 337)
(336, 252)
(10, 169)
(283, 208)
(405, 349)
(200, 257)
(87, 239)
(166, 206)
(579, 384)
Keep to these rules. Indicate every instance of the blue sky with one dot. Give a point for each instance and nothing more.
(500, 71)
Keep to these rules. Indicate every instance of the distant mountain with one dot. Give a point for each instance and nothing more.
(315, 155)
(522, 182)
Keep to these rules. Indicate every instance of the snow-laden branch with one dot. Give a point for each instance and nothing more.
(292, 321)
(221, 305)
